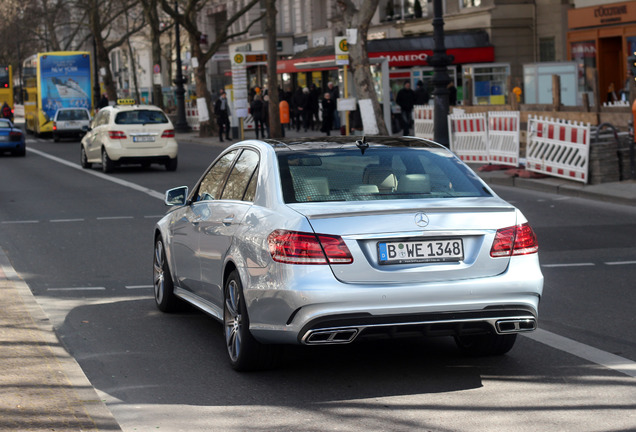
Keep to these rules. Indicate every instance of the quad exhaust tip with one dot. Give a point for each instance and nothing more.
(516, 325)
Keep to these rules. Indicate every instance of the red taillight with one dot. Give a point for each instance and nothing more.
(168, 133)
(307, 248)
(54, 126)
(116, 135)
(515, 240)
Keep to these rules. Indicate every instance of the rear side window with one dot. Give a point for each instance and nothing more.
(378, 174)
(68, 115)
(240, 176)
(141, 117)
(212, 183)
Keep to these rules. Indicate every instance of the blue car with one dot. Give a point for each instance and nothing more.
(11, 138)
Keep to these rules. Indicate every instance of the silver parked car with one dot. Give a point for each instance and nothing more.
(329, 240)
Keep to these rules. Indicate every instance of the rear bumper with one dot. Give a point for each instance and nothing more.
(317, 309)
(122, 155)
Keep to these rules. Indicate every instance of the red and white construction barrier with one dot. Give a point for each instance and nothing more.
(423, 121)
(503, 137)
(192, 116)
(558, 148)
(468, 135)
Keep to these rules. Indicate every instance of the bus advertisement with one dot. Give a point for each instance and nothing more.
(52, 81)
(6, 88)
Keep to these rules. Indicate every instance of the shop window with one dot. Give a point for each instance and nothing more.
(547, 50)
(584, 54)
(464, 4)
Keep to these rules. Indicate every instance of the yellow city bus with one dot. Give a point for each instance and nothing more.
(54, 80)
(6, 87)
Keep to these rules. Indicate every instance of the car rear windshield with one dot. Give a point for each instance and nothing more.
(141, 117)
(68, 115)
(378, 174)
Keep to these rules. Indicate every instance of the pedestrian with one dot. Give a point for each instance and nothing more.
(297, 108)
(327, 113)
(6, 112)
(103, 102)
(222, 113)
(406, 99)
(266, 116)
(452, 94)
(314, 106)
(256, 109)
(421, 94)
(334, 93)
(305, 108)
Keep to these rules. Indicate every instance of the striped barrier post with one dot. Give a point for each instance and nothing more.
(192, 116)
(558, 148)
(468, 134)
(503, 137)
(423, 119)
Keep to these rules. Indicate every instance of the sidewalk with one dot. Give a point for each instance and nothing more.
(42, 388)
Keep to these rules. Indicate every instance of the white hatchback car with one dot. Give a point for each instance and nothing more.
(130, 134)
(70, 122)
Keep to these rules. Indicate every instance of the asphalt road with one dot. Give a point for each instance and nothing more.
(83, 244)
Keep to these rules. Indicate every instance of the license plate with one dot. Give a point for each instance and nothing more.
(420, 251)
(144, 138)
(4, 137)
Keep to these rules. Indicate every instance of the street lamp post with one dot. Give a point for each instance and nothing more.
(440, 61)
(181, 124)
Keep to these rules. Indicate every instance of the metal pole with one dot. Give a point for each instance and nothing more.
(181, 124)
(440, 61)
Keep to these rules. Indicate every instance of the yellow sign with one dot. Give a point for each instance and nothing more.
(239, 58)
(125, 102)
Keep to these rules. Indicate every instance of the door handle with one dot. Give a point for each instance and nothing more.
(228, 220)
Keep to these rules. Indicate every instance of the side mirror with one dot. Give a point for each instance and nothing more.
(176, 196)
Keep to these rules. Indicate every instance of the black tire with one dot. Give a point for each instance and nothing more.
(483, 345)
(56, 138)
(245, 352)
(171, 165)
(84, 159)
(20, 153)
(165, 299)
(107, 164)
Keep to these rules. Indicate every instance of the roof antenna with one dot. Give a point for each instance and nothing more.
(362, 144)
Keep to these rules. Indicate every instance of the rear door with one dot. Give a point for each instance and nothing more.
(224, 217)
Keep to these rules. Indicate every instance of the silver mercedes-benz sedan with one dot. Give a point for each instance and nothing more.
(329, 240)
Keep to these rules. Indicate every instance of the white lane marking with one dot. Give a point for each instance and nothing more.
(154, 217)
(569, 265)
(66, 220)
(612, 263)
(586, 352)
(78, 289)
(133, 287)
(152, 193)
(21, 222)
(114, 217)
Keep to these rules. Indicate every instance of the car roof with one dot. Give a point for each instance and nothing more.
(134, 107)
(72, 109)
(316, 143)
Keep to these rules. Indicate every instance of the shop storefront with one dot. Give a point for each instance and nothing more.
(600, 38)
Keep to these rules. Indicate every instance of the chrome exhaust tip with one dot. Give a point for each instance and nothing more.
(331, 336)
(516, 325)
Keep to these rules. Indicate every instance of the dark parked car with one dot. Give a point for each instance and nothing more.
(11, 139)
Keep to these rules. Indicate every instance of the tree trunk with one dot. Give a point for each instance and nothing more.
(272, 76)
(206, 128)
(359, 18)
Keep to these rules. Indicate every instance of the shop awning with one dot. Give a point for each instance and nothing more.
(466, 48)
